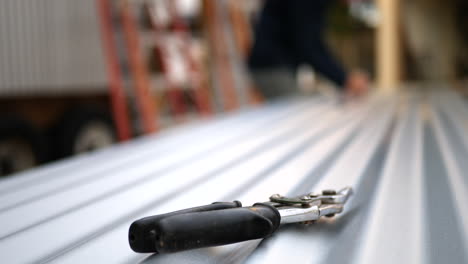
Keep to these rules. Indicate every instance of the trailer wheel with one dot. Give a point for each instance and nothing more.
(84, 129)
(22, 146)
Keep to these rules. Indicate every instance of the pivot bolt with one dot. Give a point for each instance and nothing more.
(275, 196)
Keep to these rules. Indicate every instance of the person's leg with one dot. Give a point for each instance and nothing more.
(275, 82)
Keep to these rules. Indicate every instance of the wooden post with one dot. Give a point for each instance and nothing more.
(388, 46)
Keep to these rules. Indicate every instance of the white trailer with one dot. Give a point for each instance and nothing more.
(53, 83)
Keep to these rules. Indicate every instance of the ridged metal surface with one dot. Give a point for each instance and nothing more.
(50, 46)
(405, 157)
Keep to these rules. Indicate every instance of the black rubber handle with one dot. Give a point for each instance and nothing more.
(198, 227)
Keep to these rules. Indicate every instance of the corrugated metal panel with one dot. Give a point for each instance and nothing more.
(50, 46)
(403, 155)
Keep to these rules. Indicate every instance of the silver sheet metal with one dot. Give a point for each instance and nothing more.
(403, 155)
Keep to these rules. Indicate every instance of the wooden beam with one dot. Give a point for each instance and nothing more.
(388, 46)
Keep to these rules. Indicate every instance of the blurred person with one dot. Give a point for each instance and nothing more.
(288, 34)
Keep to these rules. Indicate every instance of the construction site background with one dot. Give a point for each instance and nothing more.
(76, 76)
